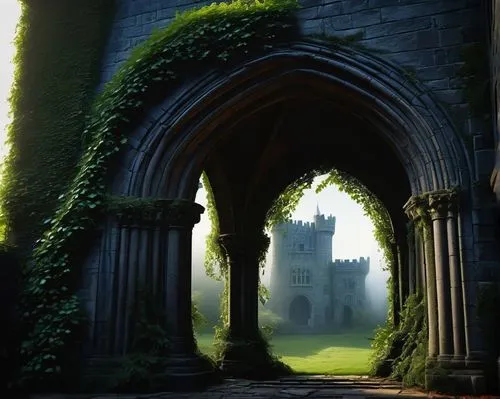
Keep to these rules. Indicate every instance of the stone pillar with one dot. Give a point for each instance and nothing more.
(419, 263)
(149, 253)
(246, 352)
(396, 272)
(457, 309)
(185, 368)
(438, 205)
(417, 210)
(412, 272)
(154, 262)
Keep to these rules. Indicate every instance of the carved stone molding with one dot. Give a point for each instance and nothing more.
(442, 202)
(243, 244)
(416, 208)
(139, 212)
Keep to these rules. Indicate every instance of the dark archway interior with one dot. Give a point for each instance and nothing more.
(269, 149)
(300, 310)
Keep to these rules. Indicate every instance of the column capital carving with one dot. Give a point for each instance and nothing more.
(154, 212)
(442, 202)
(243, 244)
(416, 208)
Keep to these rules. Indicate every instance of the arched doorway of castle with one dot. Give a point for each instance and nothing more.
(256, 129)
(300, 310)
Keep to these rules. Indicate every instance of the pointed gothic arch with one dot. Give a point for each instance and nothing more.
(182, 135)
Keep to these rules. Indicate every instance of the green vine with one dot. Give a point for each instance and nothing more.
(213, 36)
(144, 363)
(282, 208)
(215, 258)
(59, 45)
(371, 205)
(402, 352)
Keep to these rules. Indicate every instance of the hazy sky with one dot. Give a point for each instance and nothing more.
(9, 15)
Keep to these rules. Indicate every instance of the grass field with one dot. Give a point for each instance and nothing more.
(339, 354)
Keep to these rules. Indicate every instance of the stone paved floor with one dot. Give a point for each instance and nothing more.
(311, 387)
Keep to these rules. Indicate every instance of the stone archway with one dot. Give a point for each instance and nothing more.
(195, 130)
(300, 311)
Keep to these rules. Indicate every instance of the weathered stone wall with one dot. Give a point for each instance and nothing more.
(424, 36)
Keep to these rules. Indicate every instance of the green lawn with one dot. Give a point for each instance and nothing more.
(339, 354)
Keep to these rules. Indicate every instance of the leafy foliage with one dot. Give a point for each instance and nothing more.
(372, 207)
(215, 259)
(149, 345)
(55, 74)
(213, 36)
(411, 335)
(404, 346)
(282, 208)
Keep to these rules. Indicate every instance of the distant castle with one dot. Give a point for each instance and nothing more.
(308, 290)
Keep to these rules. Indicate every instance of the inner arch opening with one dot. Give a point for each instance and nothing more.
(300, 311)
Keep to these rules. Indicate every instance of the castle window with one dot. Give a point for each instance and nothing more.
(301, 276)
(301, 247)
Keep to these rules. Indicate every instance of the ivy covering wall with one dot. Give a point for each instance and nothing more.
(59, 45)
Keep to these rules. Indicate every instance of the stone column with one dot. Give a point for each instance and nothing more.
(417, 210)
(246, 353)
(153, 264)
(419, 262)
(438, 205)
(184, 367)
(457, 309)
(412, 271)
(396, 272)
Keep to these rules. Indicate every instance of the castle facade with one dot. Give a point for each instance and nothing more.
(309, 290)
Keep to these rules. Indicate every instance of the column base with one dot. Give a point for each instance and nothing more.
(453, 376)
(139, 374)
(189, 372)
(100, 374)
(251, 359)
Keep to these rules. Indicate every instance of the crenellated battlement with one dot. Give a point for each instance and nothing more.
(323, 223)
(362, 264)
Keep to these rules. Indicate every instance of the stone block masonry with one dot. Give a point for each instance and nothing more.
(423, 36)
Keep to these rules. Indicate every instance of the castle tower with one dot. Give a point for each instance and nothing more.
(292, 273)
(325, 229)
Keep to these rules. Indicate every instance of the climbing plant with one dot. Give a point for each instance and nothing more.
(213, 36)
(59, 45)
